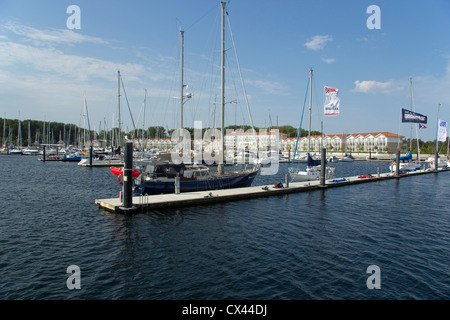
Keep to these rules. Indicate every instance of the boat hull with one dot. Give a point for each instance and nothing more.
(406, 167)
(310, 174)
(228, 181)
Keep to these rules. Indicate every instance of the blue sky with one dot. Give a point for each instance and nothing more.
(46, 69)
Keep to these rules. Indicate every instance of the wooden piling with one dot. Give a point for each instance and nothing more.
(128, 179)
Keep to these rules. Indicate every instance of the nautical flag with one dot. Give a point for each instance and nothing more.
(421, 126)
(332, 102)
(442, 133)
(409, 116)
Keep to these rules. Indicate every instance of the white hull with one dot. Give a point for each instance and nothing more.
(106, 162)
(406, 166)
(441, 162)
(15, 151)
(310, 174)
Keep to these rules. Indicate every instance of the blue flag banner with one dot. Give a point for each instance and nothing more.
(409, 116)
(442, 133)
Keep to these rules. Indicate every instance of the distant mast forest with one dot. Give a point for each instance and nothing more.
(34, 133)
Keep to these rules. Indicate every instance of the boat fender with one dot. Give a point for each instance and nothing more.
(120, 179)
(278, 185)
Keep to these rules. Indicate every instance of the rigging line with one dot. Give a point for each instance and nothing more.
(131, 115)
(413, 104)
(320, 115)
(87, 114)
(201, 18)
(231, 73)
(399, 125)
(243, 85)
(171, 89)
(301, 120)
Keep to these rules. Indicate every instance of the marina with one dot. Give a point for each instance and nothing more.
(154, 202)
(190, 178)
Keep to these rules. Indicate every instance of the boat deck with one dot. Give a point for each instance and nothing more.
(147, 203)
(102, 164)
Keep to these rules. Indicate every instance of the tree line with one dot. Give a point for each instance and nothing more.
(35, 132)
(427, 147)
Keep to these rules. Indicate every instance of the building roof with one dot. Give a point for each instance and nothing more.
(249, 133)
(354, 135)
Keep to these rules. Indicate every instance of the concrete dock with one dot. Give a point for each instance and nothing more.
(102, 164)
(147, 203)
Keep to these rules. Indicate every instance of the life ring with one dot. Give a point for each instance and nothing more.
(120, 179)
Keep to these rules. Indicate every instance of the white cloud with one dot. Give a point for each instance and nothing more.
(45, 37)
(328, 60)
(270, 87)
(41, 76)
(318, 42)
(376, 87)
(54, 61)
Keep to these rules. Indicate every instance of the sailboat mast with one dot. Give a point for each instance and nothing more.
(29, 134)
(181, 81)
(4, 125)
(310, 104)
(143, 122)
(220, 166)
(410, 108)
(119, 137)
(417, 130)
(437, 130)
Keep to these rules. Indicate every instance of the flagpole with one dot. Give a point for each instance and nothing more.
(437, 130)
(448, 141)
(323, 121)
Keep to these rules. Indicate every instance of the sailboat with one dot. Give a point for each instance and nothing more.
(312, 171)
(160, 177)
(17, 150)
(99, 159)
(405, 163)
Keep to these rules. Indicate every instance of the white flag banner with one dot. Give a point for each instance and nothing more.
(442, 133)
(332, 102)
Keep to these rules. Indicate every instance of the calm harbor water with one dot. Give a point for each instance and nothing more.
(312, 245)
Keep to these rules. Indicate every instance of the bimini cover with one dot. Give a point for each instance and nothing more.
(311, 162)
(405, 158)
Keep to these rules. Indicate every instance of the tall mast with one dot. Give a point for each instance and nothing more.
(410, 108)
(143, 122)
(220, 166)
(437, 130)
(119, 137)
(417, 130)
(4, 126)
(29, 134)
(310, 104)
(181, 81)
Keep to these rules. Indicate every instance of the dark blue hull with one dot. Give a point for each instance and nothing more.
(78, 159)
(241, 180)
